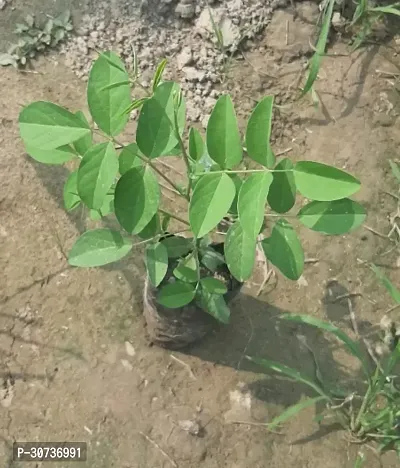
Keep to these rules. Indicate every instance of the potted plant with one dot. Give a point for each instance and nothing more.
(191, 277)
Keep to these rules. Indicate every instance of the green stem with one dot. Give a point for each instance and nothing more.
(283, 215)
(244, 171)
(184, 152)
(155, 169)
(146, 241)
(174, 216)
(365, 402)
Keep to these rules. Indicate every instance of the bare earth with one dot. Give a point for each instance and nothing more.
(66, 371)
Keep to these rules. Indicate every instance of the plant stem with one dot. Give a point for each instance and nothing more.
(283, 215)
(371, 384)
(155, 169)
(243, 171)
(184, 152)
(174, 216)
(156, 238)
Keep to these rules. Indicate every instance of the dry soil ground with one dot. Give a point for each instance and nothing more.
(66, 370)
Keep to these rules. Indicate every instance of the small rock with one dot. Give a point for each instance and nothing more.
(186, 11)
(130, 350)
(338, 22)
(192, 427)
(192, 74)
(184, 58)
(229, 31)
(126, 364)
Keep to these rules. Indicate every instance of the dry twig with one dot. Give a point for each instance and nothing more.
(173, 463)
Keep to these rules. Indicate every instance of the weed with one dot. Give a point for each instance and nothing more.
(370, 415)
(365, 16)
(34, 39)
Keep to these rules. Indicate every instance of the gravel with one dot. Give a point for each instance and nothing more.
(182, 32)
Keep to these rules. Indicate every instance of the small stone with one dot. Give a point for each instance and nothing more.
(185, 11)
(192, 427)
(229, 31)
(130, 350)
(126, 364)
(192, 74)
(184, 58)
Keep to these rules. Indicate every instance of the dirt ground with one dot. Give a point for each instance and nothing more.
(74, 361)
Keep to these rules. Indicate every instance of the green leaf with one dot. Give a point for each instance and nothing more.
(238, 185)
(213, 285)
(393, 291)
(223, 138)
(107, 102)
(321, 182)
(196, 145)
(83, 144)
(106, 208)
(55, 156)
(129, 158)
(165, 222)
(152, 229)
(332, 218)
(395, 169)
(316, 60)
(351, 345)
(211, 200)
(137, 198)
(178, 246)
(258, 133)
(155, 134)
(176, 295)
(187, 270)
(46, 126)
(289, 372)
(96, 175)
(283, 249)
(8, 59)
(293, 410)
(251, 202)
(240, 252)
(282, 193)
(211, 259)
(71, 197)
(213, 304)
(98, 247)
(158, 74)
(156, 260)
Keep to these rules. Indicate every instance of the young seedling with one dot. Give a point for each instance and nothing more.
(124, 181)
(34, 39)
(365, 16)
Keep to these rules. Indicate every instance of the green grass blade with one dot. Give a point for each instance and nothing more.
(393, 360)
(293, 410)
(315, 62)
(395, 169)
(393, 291)
(361, 9)
(289, 372)
(391, 9)
(350, 344)
(360, 460)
